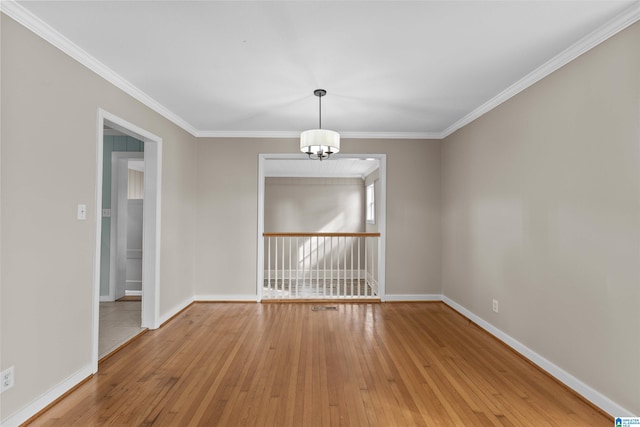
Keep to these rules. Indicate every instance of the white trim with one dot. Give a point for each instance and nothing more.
(296, 134)
(260, 259)
(95, 291)
(132, 293)
(595, 397)
(152, 220)
(382, 226)
(391, 135)
(611, 28)
(151, 241)
(174, 310)
(23, 16)
(47, 398)
(413, 297)
(226, 298)
(44, 30)
(382, 213)
(48, 33)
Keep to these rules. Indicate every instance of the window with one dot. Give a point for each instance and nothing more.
(371, 204)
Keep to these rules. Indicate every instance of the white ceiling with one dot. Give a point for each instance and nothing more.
(412, 69)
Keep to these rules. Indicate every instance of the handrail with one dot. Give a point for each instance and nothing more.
(321, 234)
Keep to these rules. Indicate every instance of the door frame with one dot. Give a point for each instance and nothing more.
(151, 223)
(381, 219)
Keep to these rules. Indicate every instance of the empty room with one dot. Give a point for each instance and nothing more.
(320, 213)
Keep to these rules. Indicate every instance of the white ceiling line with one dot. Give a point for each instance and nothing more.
(611, 28)
(45, 31)
(343, 135)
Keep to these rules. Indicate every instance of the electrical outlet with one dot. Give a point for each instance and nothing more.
(7, 379)
(495, 305)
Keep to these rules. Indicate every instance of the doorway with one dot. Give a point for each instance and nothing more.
(150, 263)
(282, 270)
(122, 256)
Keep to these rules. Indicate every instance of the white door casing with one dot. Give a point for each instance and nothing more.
(382, 214)
(152, 221)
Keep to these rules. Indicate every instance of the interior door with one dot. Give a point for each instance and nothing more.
(119, 217)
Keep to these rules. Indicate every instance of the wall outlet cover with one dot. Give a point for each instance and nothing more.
(7, 377)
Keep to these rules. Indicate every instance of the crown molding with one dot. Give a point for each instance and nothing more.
(14, 10)
(246, 134)
(591, 40)
(27, 19)
(295, 134)
(391, 135)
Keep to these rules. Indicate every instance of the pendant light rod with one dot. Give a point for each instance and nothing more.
(319, 93)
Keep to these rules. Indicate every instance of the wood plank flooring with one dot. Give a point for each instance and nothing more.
(393, 364)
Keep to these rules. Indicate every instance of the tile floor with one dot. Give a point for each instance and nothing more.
(119, 322)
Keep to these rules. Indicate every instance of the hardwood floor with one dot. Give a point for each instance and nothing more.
(393, 364)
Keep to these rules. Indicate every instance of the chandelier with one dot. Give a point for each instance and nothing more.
(319, 143)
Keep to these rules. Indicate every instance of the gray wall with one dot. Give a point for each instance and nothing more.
(541, 211)
(49, 116)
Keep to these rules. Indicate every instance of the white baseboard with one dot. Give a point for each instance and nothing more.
(174, 310)
(593, 396)
(226, 298)
(106, 298)
(413, 297)
(132, 293)
(47, 398)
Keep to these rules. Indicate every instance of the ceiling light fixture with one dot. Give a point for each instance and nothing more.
(319, 143)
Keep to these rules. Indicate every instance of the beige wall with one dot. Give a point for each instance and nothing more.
(314, 205)
(536, 204)
(49, 127)
(541, 211)
(227, 213)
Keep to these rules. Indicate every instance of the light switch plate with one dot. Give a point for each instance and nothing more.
(82, 212)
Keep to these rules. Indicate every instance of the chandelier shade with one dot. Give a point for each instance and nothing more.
(319, 143)
(320, 140)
